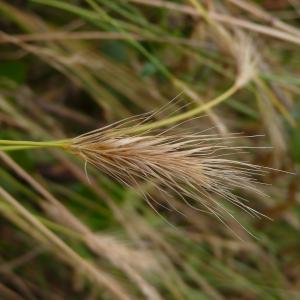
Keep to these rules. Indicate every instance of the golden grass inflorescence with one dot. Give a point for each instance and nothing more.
(194, 167)
(197, 168)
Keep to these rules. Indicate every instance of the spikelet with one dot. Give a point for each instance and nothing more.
(194, 167)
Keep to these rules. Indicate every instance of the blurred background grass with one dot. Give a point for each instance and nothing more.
(67, 67)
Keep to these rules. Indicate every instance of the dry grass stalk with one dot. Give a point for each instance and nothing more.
(134, 262)
(275, 28)
(94, 273)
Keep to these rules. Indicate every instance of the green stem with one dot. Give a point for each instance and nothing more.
(186, 115)
(9, 145)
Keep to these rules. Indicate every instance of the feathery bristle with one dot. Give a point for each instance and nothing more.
(246, 57)
(192, 166)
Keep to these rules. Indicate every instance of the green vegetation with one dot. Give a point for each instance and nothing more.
(69, 231)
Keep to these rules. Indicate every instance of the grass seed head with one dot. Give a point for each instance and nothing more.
(194, 167)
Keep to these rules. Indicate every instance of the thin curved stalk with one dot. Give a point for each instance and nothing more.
(7, 145)
(186, 115)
